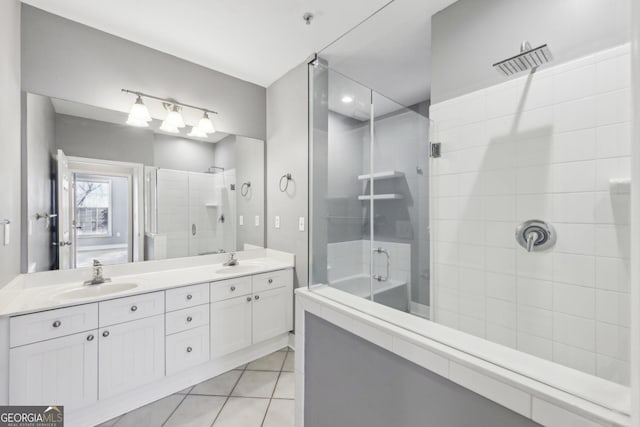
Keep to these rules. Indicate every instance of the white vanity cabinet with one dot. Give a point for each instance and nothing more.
(61, 371)
(131, 354)
(249, 310)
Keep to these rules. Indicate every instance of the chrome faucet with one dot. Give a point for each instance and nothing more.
(97, 274)
(232, 260)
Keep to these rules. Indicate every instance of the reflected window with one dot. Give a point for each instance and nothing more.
(93, 208)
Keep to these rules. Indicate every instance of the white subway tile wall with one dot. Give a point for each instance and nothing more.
(543, 146)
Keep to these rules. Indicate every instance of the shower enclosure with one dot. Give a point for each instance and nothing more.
(370, 193)
(505, 215)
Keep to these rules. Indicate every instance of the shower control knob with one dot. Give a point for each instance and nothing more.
(535, 235)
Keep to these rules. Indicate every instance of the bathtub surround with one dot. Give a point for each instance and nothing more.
(545, 146)
(10, 125)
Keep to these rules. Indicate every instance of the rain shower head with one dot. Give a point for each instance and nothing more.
(527, 59)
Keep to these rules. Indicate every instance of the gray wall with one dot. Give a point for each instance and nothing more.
(287, 152)
(351, 382)
(470, 35)
(250, 169)
(10, 110)
(67, 60)
(38, 153)
(170, 152)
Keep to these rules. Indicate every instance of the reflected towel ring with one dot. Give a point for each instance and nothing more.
(286, 177)
(244, 190)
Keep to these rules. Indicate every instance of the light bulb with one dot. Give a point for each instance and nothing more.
(206, 125)
(197, 132)
(139, 112)
(347, 99)
(169, 127)
(174, 117)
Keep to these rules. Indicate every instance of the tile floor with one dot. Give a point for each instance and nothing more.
(259, 394)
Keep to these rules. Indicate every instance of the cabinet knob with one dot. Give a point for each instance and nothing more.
(134, 308)
(105, 334)
(189, 349)
(248, 299)
(90, 337)
(189, 296)
(57, 324)
(233, 288)
(257, 297)
(189, 318)
(270, 281)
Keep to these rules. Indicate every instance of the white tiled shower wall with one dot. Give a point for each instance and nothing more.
(543, 146)
(346, 259)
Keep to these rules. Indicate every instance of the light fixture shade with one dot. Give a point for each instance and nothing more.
(197, 132)
(169, 127)
(139, 112)
(174, 117)
(206, 125)
(137, 123)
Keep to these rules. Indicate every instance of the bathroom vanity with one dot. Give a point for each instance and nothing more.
(105, 349)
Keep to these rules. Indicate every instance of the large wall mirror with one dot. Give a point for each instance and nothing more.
(96, 187)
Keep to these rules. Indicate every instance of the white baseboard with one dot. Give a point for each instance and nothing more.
(418, 309)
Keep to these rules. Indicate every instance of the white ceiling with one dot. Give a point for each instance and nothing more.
(391, 52)
(254, 40)
(85, 111)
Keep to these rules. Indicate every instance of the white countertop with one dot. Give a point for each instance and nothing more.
(42, 291)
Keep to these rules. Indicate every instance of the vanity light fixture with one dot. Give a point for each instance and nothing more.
(347, 99)
(205, 125)
(140, 117)
(197, 132)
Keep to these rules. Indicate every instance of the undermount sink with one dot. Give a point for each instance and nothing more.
(89, 291)
(238, 269)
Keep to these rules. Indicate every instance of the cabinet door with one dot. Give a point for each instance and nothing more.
(230, 325)
(271, 314)
(60, 371)
(131, 355)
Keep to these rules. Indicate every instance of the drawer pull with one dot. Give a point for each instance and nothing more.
(189, 297)
(90, 337)
(248, 299)
(233, 288)
(189, 349)
(189, 319)
(57, 324)
(270, 281)
(257, 297)
(134, 308)
(105, 334)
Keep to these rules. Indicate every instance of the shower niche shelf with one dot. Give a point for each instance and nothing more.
(381, 175)
(381, 197)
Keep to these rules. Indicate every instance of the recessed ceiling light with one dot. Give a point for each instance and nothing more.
(347, 99)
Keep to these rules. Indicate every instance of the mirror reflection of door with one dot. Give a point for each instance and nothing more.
(101, 219)
(64, 242)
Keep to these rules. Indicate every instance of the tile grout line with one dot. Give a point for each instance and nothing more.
(176, 408)
(264, 418)
(229, 395)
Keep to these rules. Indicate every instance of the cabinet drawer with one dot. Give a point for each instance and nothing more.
(272, 280)
(188, 318)
(131, 308)
(187, 349)
(45, 325)
(225, 289)
(187, 296)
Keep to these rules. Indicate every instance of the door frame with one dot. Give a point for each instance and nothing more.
(135, 172)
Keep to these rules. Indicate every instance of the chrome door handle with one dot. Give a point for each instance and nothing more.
(379, 277)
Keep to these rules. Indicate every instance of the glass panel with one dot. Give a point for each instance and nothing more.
(341, 137)
(400, 252)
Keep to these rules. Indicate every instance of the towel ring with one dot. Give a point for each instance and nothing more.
(286, 177)
(244, 190)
